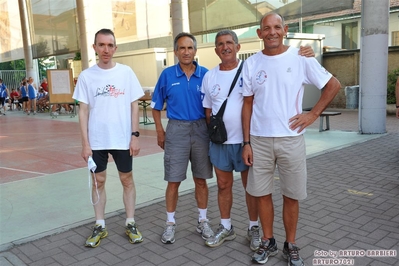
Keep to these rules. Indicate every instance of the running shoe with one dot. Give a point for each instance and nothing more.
(266, 250)
(291, 253)
(222, 234)
(168, 236)
(253, 237)
(98, 233)
(133, 233)
(205, 229)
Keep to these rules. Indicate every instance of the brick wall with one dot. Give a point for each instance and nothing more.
(345, 66)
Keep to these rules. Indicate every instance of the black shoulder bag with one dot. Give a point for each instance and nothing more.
(216, 128)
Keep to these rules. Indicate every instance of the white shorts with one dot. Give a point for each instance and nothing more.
(289, 154)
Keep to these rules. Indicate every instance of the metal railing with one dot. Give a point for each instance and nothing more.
(12, 78)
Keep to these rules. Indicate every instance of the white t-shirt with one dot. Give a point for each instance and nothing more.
(216, 85)
(277, 83)
(109, 94)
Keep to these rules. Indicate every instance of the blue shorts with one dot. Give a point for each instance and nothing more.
(122, 159)
(227, 157)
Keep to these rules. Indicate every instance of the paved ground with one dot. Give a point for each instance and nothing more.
(352, 205)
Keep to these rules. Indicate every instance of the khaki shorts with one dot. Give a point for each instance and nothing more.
(186, 141)
(289, 154)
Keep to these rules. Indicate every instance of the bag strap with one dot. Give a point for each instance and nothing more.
(223, 107)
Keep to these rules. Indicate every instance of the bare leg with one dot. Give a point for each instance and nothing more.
(252, 202)
(225, 192)
(201, 193)
(290, 218)
(266, 215)
(99, 208)
(171, 196)
(129, 193)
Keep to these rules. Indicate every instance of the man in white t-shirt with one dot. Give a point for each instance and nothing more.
(109, 121)
(273, 127)
(226, 157)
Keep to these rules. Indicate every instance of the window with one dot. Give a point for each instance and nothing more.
(244, 56)
(395, 38)
(349, 35)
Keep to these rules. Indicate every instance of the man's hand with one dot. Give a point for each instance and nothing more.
(134, 146)
(306, 51)
(247, 154)
(301, 121)
(86, 152)
(161, 139)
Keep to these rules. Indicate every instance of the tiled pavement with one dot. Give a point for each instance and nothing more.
(352, 204)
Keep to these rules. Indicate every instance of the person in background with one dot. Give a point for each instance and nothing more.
(24, 95)
(44, 85)
(273, 127)
(3, 95)
(32, 94)
(14, 99)
(109, 124)
(186, 137)
(42, 100)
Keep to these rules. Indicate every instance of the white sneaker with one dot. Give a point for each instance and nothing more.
(204, 228)
(168, 236)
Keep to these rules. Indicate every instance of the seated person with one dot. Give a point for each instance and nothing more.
(14, 99)
(44, 85)
(42, 100)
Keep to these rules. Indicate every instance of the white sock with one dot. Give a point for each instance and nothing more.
(170, 217)
(129, 220)
(202, 214)
(253, 223)
(226, 223)
(101, 222)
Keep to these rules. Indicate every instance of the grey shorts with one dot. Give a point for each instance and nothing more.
(289, 154)
(227, 157)
(186, 141)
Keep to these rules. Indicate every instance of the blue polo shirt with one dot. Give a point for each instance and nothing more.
(183, 96)
(24, 92)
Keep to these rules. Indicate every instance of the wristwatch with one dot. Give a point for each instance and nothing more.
(136, 134)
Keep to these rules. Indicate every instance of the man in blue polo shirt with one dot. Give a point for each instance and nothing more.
(186, 137)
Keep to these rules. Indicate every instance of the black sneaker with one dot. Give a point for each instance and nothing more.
(290, 253)
(266, 249)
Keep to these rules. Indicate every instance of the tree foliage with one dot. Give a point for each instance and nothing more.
(13, 65)
(392, 77)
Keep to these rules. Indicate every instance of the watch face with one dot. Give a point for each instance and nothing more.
(136, 133)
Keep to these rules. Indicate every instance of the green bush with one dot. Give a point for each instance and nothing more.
(392, 77)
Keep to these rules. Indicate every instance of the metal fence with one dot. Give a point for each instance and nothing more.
(12, 78)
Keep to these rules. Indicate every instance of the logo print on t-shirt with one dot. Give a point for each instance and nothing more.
(215, 90)
(110, 91)
(261, 77)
